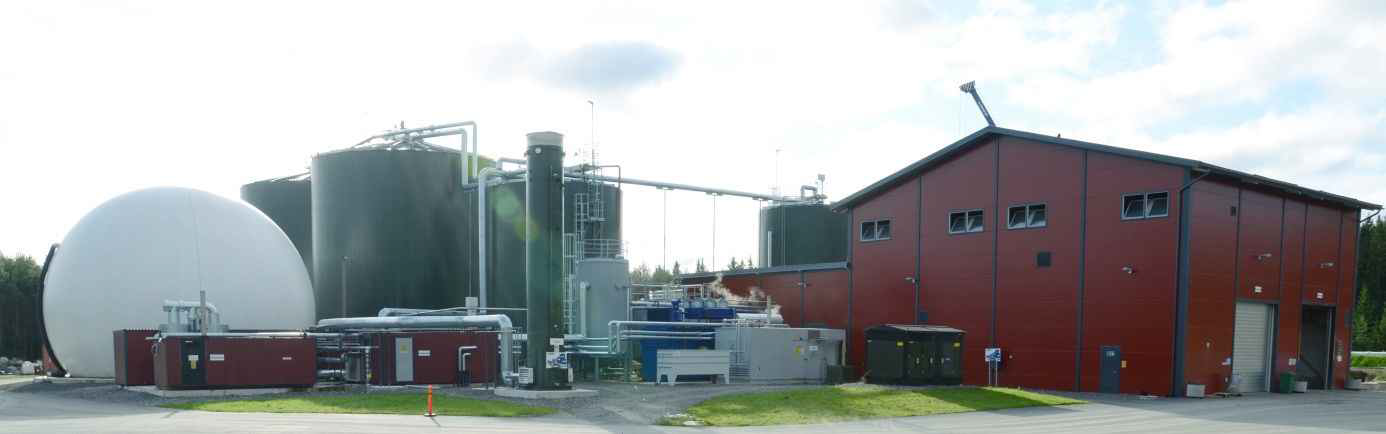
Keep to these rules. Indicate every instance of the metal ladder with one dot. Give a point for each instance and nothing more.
(571, 301)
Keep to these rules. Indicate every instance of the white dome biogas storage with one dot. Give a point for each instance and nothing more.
(119, 263)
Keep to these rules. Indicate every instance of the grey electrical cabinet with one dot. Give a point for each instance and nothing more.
(779, 354)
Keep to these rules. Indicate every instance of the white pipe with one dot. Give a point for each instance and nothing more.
(376, 322)
(170, 304)
(481, 203)
(673, 186)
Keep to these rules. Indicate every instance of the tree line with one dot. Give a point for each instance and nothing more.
(1369, 316)
(19, 299)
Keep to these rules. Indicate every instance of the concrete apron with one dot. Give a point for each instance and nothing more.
(544, 394)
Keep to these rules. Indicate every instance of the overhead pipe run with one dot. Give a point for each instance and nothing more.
(415, 322)
(674, 186)
(497, 322)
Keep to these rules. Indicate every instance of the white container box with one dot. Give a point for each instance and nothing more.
(1194, 391)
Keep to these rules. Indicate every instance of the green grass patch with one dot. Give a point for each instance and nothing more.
(840, 403)
(1368, 362)
(374, 403)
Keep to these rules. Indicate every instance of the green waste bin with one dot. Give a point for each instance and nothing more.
(1287, 383)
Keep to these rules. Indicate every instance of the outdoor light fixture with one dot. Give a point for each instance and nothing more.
(1263, 256)
(1326, 265)
(1128, 270)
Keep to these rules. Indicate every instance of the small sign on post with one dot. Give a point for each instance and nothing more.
(993, 359)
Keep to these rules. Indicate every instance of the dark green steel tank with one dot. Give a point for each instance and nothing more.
(287, 201)
(388, 219)
(505, 246)
(807, 233)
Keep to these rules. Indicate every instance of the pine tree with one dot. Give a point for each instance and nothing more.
(1379, 333)
(1366, 332)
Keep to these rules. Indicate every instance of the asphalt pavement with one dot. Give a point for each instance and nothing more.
(43, 411)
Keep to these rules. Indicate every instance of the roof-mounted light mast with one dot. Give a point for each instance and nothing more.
(971, 88)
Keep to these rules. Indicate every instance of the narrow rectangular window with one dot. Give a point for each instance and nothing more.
(974, 221)
(1144, 205)
(868, 231)
(1037, 217)
(1018, 219)
(1157, 204)
(957, 222)
(883, 229)
(1133, 206)
(1027, 216)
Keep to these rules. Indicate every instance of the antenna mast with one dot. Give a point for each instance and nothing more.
(971, 88)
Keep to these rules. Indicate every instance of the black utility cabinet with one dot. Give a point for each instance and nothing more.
(914, 354)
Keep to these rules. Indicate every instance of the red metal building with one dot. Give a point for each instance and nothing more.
(1092, 267)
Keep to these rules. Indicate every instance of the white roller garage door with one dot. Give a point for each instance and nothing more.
(1251, 346)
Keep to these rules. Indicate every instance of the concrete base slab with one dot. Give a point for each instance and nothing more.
(544, 394)
(73, 380)
(207, 393)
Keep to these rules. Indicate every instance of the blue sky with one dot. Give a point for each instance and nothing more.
(100, 98)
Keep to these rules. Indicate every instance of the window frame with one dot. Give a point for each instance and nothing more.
(1145, 205)
(1029, 208)
(875, 230)
(967, 220)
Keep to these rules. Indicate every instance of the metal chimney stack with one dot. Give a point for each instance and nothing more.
(543, 258)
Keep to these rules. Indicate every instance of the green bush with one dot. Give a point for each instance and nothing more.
(1360, 361)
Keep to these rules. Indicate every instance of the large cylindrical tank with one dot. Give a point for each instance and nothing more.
(505, 247)
(604, 283)
(287, 201)
(389, 222)
(806, 233)
(122, 260)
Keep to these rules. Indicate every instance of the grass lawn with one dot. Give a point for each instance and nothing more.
(375, 403)
(840, 403)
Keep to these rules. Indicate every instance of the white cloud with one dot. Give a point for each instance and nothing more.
(97, 99)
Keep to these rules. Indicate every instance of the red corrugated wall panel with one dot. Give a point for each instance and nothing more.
(784, 290)
(1212, 294)
(880, 293)
(957, 268)
(1322, 262)
(1134, 311)
(825, 300)
(1290, 311)
(1037, 308)
(1258, 261)
(256, 362)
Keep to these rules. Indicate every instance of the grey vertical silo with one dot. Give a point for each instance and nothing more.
(288, 201)
(387, 229)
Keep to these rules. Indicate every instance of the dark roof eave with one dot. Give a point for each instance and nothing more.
(936, 157)
(842, 265)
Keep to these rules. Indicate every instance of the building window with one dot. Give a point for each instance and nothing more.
(962, 222)
(1144, 205)
(1027, 216)
(875, 230)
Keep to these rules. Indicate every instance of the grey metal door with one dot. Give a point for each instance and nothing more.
(404, 360)
(1251, 346)
(1110, 370)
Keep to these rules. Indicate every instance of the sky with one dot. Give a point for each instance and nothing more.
(104, 97)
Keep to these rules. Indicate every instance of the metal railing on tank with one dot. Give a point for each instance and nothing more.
(603, 248)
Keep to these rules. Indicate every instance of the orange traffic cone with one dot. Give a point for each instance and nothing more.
(430, 412)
